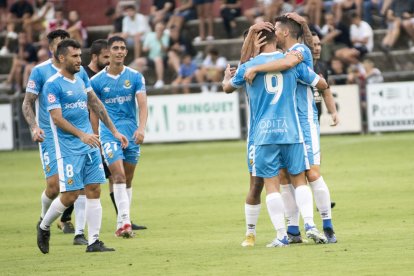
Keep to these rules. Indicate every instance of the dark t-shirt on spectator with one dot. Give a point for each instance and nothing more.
(320, 68)
(344, 37)
(401, 6)
(159, 4)
(89, 71)
(118, 24)
(21, 8)
(30, 52)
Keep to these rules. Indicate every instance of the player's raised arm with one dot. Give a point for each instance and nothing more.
(307, 34)
(249, 48)
(38, 134)
(98, 108)
(292, 59)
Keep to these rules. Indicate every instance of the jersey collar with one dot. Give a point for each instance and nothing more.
(112, 76)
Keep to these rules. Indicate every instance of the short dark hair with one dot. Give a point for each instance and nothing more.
(57, 33)
(62, 48)
(314, 34)
(269, 35)
(213, 51)
(115, 39)
(245, 33)
(98, 45)
(294, 27)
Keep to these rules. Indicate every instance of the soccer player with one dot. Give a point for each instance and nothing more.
(288, 31)
(118, 86)
(77, 148)
(277, 133)
(39, 125)
(99, 60)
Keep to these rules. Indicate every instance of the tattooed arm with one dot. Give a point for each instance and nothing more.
(37, 133)
(307, 34)
(98, 108)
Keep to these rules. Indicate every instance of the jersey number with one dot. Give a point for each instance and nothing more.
(69, 170)
(108, 149)
(274, 85)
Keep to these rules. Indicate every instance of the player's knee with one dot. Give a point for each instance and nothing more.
(118, 178)
(257, 187)
(52, 188)
(312, 175)
(93, 191)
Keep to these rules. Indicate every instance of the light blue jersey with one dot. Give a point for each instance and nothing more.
(71, 97)
(273, 100)
(307, 110)
(117, 93)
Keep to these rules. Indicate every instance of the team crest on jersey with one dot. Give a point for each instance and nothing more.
(110, 154)
(127, 84)
(106, 89)
(70, 181)
(31, 84)
(47, 168)
(51, 98)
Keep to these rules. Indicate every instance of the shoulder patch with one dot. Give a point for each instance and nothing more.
(31, 84)
(51, 98)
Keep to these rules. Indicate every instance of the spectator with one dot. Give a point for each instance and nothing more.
(156, 44)
(116, 17)
(342, 6)
(44, 12)
(204, 12)
(335, 36)
(337, 69)
(313, 9)
(161, 10)
(135, 27)
(3, 14)
(362, 38)
(24, 60)
(186, 11)
(76, 29)
(59, 22)
(211, 70)
(186, 74)
(229, 10)
(372, 74)
(399, 10)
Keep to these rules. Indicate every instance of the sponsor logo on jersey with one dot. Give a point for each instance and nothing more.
(69, 93)
(31, 84)
(127, 84)
(79, 104)
(119, 99)
(106, 89)
(51, 98)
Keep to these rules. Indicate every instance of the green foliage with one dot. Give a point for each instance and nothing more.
(191, 197)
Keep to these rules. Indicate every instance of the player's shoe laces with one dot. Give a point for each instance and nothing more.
(43, 238)
(279, 243)
(67, 227)
(313, 233)
(98, 246)
(125, 232)
(137, 227)
(330, 235)
(249, 241)
(80, 240)
(294, 238)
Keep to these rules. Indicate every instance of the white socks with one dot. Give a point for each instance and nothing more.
(289, 201)
(275, 209)
(122, 203)
(94, 218)
(80, 213)
(322, 197)
(304, 202)
(55, 210)
(45, 204)
(251, 213)
(129, 192)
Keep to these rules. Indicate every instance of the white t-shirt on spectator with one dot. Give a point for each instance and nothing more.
(221, 62)
(137, 25)
(361, 32)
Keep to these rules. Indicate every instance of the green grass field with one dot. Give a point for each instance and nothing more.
(191, 196)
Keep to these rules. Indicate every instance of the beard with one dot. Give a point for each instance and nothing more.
(72, 69)
(101, 65)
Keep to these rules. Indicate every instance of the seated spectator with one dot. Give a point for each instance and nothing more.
(342, 6)
(204, 13)
(156, 44)
(24, 59)
(59, 22)
(44, 12)
(183, 13)
(116, 17)
(399, 10)
(211, 70)
(267, 10)
(372, 74)
(335, 36)
(229, 10)
(135, 27)
(186, 74)
(362, 38)
(76, 29)
(313, 9)
(161, 10)
(337, 68)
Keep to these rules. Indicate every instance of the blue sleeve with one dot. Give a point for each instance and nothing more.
(95, 86)
(140, 84)
(84, 76)
(306, 74)
(237, 80)
(35, 83)
(53, 96)
(181, 71)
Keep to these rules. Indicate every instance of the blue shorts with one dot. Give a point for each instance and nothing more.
(48, 158)
(77, 171)
(250, 156)
(269, 159)
(311, 136)
(113, 151)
